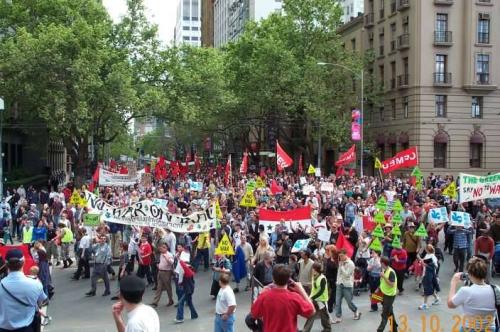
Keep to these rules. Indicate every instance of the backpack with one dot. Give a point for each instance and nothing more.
(496, 293)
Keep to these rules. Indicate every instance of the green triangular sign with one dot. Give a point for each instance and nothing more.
(381, 204)
(376, 245)
(416, 172)
(397, 206)
(379, 218)
(396, 243)
(421, 232)
(396, 218)
(396, 231)
(378, 232)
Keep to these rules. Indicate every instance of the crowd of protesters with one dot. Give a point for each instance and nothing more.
(321, 276)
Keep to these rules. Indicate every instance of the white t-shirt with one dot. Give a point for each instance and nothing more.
(143, 319)
(476, 300)
(225, 299)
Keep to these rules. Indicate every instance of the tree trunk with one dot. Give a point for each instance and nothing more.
(81, 162)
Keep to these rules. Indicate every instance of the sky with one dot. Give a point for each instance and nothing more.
(161, 12)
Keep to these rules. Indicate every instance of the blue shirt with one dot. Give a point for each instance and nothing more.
(460, 238)
(14, 315)
(39, 234)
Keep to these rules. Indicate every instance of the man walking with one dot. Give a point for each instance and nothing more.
(140, 316)
(388, 287)
(345, 284)
(102, 252)
(165, 272)
(84, 253)
(225, 306)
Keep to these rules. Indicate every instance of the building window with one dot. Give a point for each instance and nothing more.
(440, 152)
(440, 75)
(195, 28)
(441, 102)
(405, 146)
(393, 108)
(185, 38)
(381, 149)
(477, 107)
(353, 44)
(441, 27)
(406, 24)
(394, 149)
(483, 68)
(195, 38)
(476, 150)
(381, 113)
(483, 29)
(185, 28)
(382, 74)
(405, 107)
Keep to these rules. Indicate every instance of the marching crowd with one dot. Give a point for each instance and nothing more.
(312, 281)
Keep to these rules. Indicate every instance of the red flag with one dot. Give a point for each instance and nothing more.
(244, 163)
(197, 163)
(347, 157)
(262, 172)
(219, 168)
(403, 159)
(368, 223)
(95, 179)
(276, 188)
(227, 173)
(147, 169)
(342, 242)
(352, 172)
(300, 169)
(282, 159)
(112, 164)
(28, 260)
(340, 171)
(412, 181)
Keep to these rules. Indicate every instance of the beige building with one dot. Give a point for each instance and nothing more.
(439, 64)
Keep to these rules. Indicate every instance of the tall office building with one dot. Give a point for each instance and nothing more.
(207, 23)
(351, 9)
(230, 17)
(438, 64)
(188, 26)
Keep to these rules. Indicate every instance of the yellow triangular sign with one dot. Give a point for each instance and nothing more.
(225, 247)
(75, 198)
(451, 190)
(311, 169)
(378, 164)
(248, 200)
(218, 211)
(260, 183)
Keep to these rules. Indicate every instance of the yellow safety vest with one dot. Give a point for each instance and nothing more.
(68, 235)
(384, 286)
(316, 286)
(27, 235)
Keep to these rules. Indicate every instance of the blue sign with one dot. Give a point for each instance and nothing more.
(438, 215)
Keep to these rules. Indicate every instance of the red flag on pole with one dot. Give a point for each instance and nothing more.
(347, 157)
(403, 159)
(276, 188)
(112, 164)
(282, 159)
(300, 169)
(244, 163)
(227, 174)
(197, 162)
(147, 169)
(340, 171)
(95, 179)
(352, 172)
(343, 243)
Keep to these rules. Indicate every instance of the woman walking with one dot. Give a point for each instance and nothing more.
(430, 282)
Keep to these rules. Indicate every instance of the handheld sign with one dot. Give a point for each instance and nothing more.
(396, 243)
(451, 191)
(379, 218)
(397, 219)
(91, 220)
(225, 247)
(75, 198)
(381, 204)
(421, 231)
(251, 185)
(248, 200)
(396, 231)
(397, 206)
(438, 215)
(376, 245)
(378, 232)
(300, 245)
(260, 183)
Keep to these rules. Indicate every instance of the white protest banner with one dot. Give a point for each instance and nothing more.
(459, 218)
(300, 245)
(146, 213)
(473, 187)
(308, 189)
(438, 215)
(327, 187)
(324, 235)
(110, 179)
(303, 180)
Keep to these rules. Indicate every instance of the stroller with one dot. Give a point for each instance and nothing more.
(495, 269)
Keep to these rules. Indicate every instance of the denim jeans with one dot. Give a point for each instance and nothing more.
(221, 325)
(188, 298)
(201, 254)
(346, 293)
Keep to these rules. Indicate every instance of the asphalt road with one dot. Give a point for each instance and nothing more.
(71, 311)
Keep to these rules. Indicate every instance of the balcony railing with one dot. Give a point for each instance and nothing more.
(404, 41)
(442, 78)
(443, 37)
(443, 2)
(369, 20)
(403, 81)
(483, 78)
(403, 4)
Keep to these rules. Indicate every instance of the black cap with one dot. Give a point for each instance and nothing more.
(132, 284)
(14, 255)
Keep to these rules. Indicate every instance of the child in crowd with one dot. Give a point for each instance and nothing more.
(417, 269)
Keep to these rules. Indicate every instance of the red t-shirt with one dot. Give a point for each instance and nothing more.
(145, 250)
(279, 309)
(398, 259)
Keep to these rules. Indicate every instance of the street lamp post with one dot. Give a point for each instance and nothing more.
(2, 108)
(360, 76)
